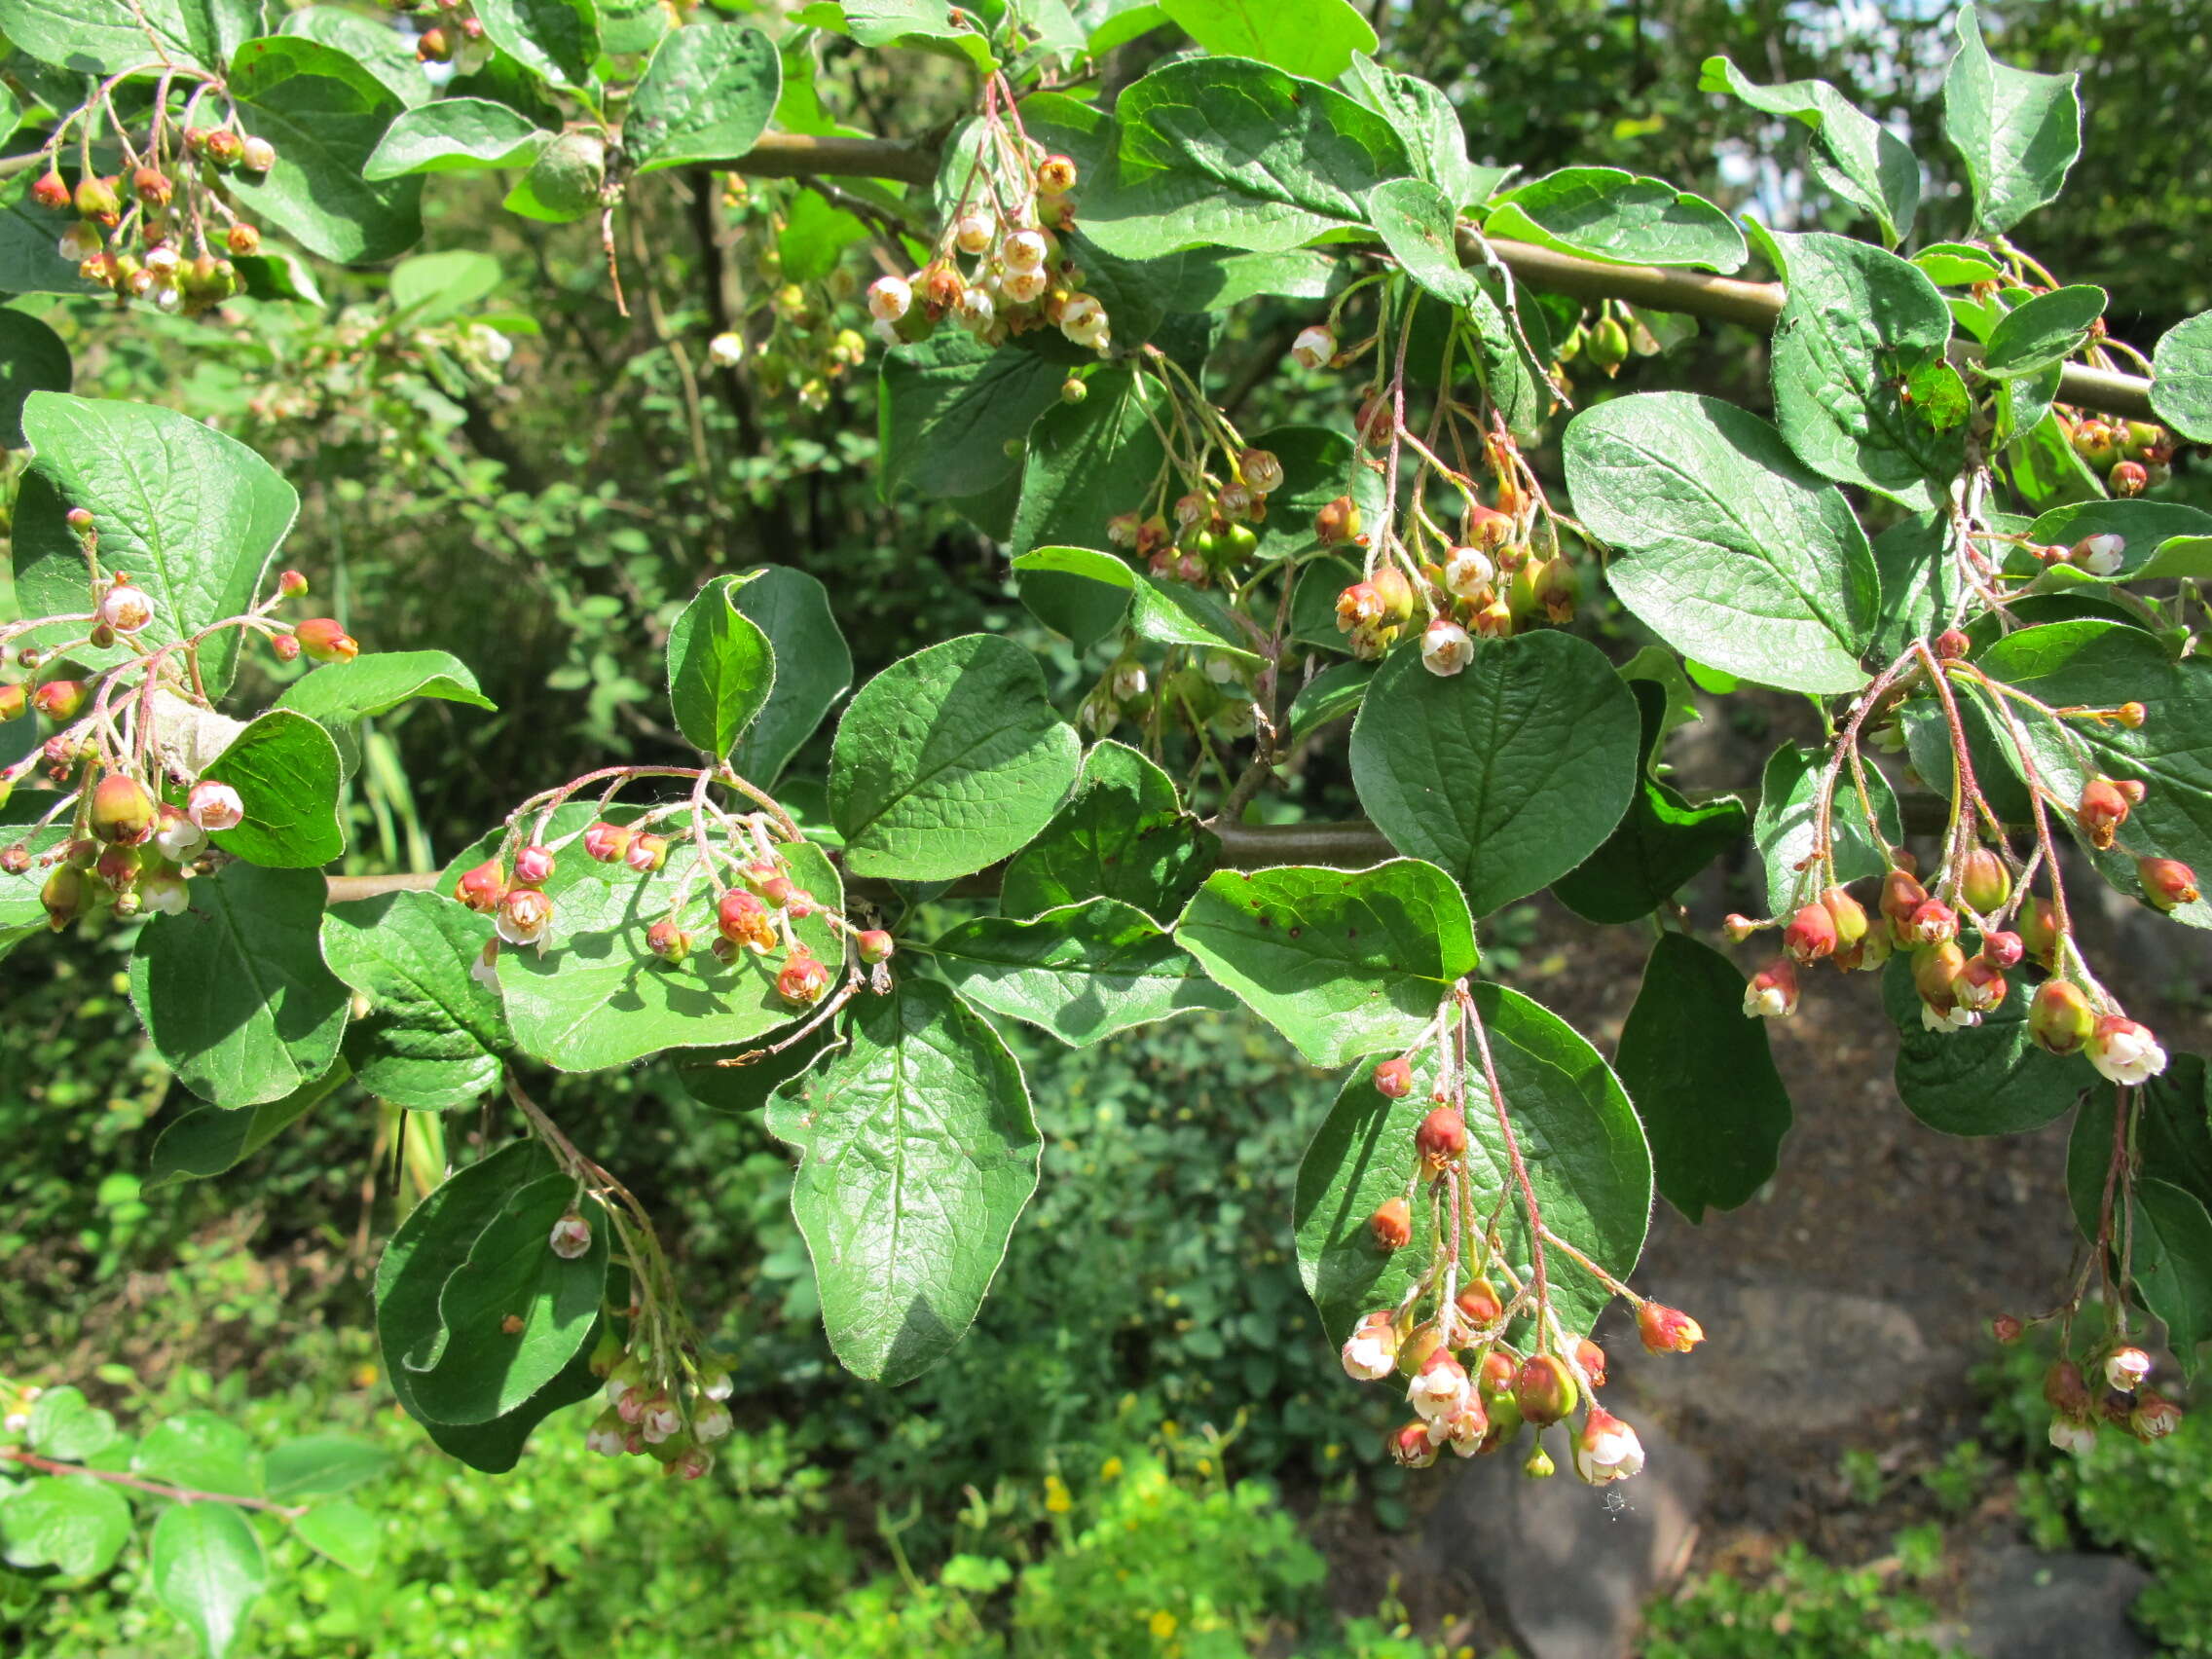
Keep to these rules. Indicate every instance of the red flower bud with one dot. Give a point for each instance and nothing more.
(742, 920)
(1667, 1330)
(2003, 949)
(2006, 1328)
(1952, 644)
(606, 842)
(286, 647)
(2103, 809)
(1394, 1079)
(49, 191)
(1441, 1136)
(875, 945)
(1478, 1304)
(481, 889)
(803, 981)
(668, 942)
(324, 639)
(766, 877)
(59, 700)
(123, 812)
(1811, 933)
(1544, 1390)
(1591, 1358)
(2131, 716)
(534, 866)
(1495, 1377)
(646, 853)
(1392, 1224)
(2166, 882)
(2059, 1016)
(1933, 923)
(291, 584)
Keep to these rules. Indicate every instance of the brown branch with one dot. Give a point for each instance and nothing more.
(158, 1489)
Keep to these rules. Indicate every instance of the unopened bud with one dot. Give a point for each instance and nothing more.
(1738, 927)
(1902, 896)
(123, 812)
(287, 646)
(2039, 930)
(2003, 949)
(257, 155)
(2131, 716)
(482, 888)
(2168, 883)
(875, 945)
(2128, 478)
(571, 1237)
(534, 866)
(1984, 882)
(59, 700)
(1478, 1304)
(65, 897)
(2006, 1328)
(606, 842)
(1544, 1390)
(1811, 933)
(291, 584)
(2103, 809)
(646, 853)
(2064, 1391)
(1394, 1079)
(1592, 1359)
(668, 942)
(1392, 1224)
(1667, 1330)
(1952, 644)
(324, 639)
(2060, 1018)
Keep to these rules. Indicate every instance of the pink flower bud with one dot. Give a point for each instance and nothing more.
(646, 853)
(766, 877)
(1441, 1136)
(659, 1418)
(2102, 810)
(286, 647)
(292, 584)
(2168, 883)
(1411, 1447)
(59, 700)
(875, 945)
(1371, 1348)
(534, 866)
(714, 1381)
(2124, 1051)
(609, 843)
(1739, 927)
(1667, 1330)
(1394, 1079)
(694, 1465)
(571, 1238)
(1952, 644)
(2003, 949)
(2006, 1329)
(324, 639)
(668, 942)
(802, 981)
(1810, 935)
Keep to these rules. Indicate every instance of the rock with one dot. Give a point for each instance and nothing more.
(2024, 1604)
(1795, 1361)
(1567, 1568)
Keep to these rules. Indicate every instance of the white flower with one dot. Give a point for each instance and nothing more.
(1957, 1019)
(660, 1419)
(79, 242)
(2100, 555)
(485, 969)
(1314, 347)
(1468, 572)
(1371, 1350)
(1606, 1449)
(1023, 250)
(976, 310)
(2069, 1436)
(214, 806)
(1441, 1392)
(726, 350)
(1446, 647)
(1130, 680)
(180, 841)
(1467, 1427)
(889, 298)
(974, 232)
(2125, 1052)
(712, 1423)
(495, 347)
(606, 1440)
(1023, 286)
(884, 332)
(2126, 1368)
(571, 1237)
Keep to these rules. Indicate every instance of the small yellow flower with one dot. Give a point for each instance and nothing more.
(1056, 1497)
(1110, 1469)
(1205, 1465)
(1162, 1625)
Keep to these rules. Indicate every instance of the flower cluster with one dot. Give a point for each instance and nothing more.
(1480, 1364)
(2124, 1401)
(2129, 455)
(663, 1403)
(164, 230)
(797, 337)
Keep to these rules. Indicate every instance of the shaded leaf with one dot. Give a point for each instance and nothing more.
(1123, 836)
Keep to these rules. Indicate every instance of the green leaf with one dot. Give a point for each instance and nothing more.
(1429, 127)
(73, 1524)
(1857, 322)
(1957, 265)
(2180, 377)
(2171, 1252)
(432, 1244)
(558, 39)
(481, 1369)
(496, 1447)
(193, 516)
(1783, 827)
(948, 760)
(2145, 526)
(277, 274)
(1123, 835)
(318, 1465)
(30, 255)
(285, 769)
(1854, 157)
(815, 237)
(1986, 1080)
(1172, 613)
(432, 287)
(2170, 1135)
(344, 1532)
(949, 407)
(2048, 329)
(1314, 38)
(207, 1140)
(1919, 580)
(104, 37)
(1659, 845)
(917, 1154)
(2018, 132)
(64, 1426)
(438, 1035)
(455, 135)
(920, 25)
(1584, 1153)
(198, 1451)
(1605, 213)
(207, 1567)
(1229, 151)
(1088, 462)
(630, 26)
(720, 669)
(747, 1087)
(1417, 225)
(1703, 1079)
(706, 97)
(1344, 963)
(370, 40)
(234, 992)
(1083, 972)
(1330, 695)
(32, 358)
(1725, 544)
(376, 683)
(598, 997)
(2046, 471)
(2097, 664)
(813, 665)
(325, 114)
(1507, 774)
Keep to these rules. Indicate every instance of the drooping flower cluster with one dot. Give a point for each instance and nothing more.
(666, 1403)
(1480, 1364)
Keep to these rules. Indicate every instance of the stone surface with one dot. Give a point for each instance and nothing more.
(1566, 1566)
(2022, 1604)
(1789, 1359)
